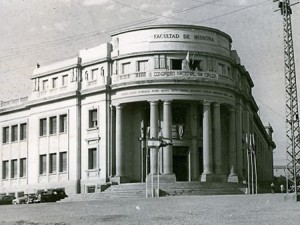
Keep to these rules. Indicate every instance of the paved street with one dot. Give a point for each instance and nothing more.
(239, 209)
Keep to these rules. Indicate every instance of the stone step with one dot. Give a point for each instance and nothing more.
(138, 190)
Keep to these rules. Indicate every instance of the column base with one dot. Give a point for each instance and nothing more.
(156, 190)
(233, 178)
(119, 179)
(213, 178)
(163, 178)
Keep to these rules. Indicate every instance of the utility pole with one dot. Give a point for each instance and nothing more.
(292, 118)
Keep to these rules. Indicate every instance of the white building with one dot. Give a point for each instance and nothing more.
(88, 118)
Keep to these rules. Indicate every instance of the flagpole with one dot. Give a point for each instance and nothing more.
(255, 162)
(248, 164)
(251, 158)
(255, 169)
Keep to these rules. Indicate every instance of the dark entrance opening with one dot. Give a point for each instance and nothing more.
(180, 163)
(200, 160)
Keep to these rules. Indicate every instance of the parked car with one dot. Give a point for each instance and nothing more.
(32, 198)
(51, 195)
(26, 199)
(6, 199)
(20, 200)
(61, 193)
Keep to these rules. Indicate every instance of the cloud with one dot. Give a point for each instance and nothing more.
(95, 2)
(110, 7)
(60, 26)
(167, 13)
(32, 29)
(65, 1)
(144, 6)
(45, 28)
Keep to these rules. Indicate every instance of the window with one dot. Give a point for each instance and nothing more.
(43, 165)
(228, 71)
(43, 127)
(23, 130)
(117, 67)
(125, 68)
(94, 74)
(23, 167)
(54, 82)
(52, 163)
(14, 133)
(63, 123)
(63, 162)
(142, 66)
(5, 169)
(159, 62)
(92, 164)
(52, 127)
(64, 80)
(221, 69)
(14, 168)
(196, 65)
(44, 85)
(5, 137)
(91, 189)
(210, 66)
(93, 122)
(176, 64)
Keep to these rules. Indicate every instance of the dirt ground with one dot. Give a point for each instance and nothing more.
(234, 210)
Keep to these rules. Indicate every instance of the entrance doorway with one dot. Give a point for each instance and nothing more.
(180, 163)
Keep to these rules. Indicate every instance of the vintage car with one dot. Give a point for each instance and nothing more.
(20, 200)
(61, 193)
(51, 195)
(26, 199)
(6, 199)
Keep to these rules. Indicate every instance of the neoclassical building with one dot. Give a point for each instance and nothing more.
(88, 119)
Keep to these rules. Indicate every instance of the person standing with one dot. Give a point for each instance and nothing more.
(282, 188)
(272, 187)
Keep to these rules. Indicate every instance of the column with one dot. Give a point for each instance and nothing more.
(240, 165)
(207, 150)
(232, 146)
(112, 161)
(167, 133)
(217, 139)
(153, 134)
(120, 167)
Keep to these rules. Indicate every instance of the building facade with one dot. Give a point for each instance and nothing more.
(88, 119)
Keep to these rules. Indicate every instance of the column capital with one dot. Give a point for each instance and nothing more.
(167, 101)
(207, 103)
(153, 102)
(216, 104)
(119, 106)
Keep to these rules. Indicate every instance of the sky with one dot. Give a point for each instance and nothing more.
(45, 31)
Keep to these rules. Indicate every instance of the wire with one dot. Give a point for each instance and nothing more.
(234, 11)
(29, 49)
(52, 43)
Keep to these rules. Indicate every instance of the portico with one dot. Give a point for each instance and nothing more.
(219, 154)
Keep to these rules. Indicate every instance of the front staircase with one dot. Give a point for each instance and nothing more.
(138, 190)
